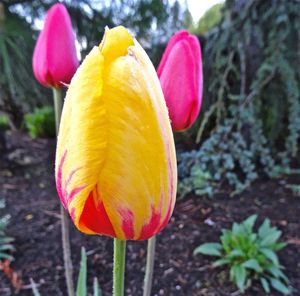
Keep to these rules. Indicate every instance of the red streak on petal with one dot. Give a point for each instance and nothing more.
(70, 179)
(151, 228)
(59, 180)
(167, 218)
(127, 223)
(95, 218)
(73, 192)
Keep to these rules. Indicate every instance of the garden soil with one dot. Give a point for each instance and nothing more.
(27, 184)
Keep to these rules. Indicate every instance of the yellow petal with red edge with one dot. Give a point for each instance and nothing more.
(115, 163)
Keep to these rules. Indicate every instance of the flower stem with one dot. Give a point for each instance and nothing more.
(119, 267)
(149, 266)
(57, 97)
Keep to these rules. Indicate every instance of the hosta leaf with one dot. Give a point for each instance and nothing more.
(271, 238)
(264, 228)
(279, 286)
(6, 256)
(211, 249)
(6, 240)
(249, 222)
(235, 253)
(265, 285)
(278, 246)
(6, 247)
(252, 264)
(239, 274)
(277, 273)
(221, 262)
(270, 255)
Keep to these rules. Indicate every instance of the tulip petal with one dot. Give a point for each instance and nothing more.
(116, 143)
(180, 74)
(55, 59)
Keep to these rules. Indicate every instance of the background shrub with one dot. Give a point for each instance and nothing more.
(250, 123)
(41, 123)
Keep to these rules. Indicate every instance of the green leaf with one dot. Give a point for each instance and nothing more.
(6, 240)
(265, 285)
(239, 276)
(226, 240)
(97, 290)
(264, 229)
(277, 273)
(279, 246)
(236, 229)
(249, 222)
(279, 286)
(252, 264)
(6, 247)
(235, 253)
(6, 256)
(271, 238)
(81, 284)
(221, 262)
(211, 249)
(270, 255)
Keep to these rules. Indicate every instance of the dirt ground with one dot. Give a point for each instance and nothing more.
(27, 184)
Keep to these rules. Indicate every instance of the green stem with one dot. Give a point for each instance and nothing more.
(119, 267)
(149, 266)
(58, 103)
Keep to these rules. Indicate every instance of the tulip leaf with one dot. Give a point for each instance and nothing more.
(97, 290)
(81, 284)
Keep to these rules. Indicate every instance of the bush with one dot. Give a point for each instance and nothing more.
(41, 123)
(250, 255)
(251, 105)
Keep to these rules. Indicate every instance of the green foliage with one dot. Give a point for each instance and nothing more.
(250, 255)
(18, 89)
(4, 122)
(209, 20)
(5, 241)
(41, 123)
(251, 122)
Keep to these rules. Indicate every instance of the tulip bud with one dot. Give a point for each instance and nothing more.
(54, 58)
(180, 75)
(115, 160)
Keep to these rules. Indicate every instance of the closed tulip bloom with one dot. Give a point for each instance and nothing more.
(54, 58)
(115, 160)
(180, 75)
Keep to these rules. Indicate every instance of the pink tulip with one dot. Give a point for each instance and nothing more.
(54, 58)
(180, 75)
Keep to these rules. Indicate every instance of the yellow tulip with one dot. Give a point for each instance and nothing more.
(116, 169)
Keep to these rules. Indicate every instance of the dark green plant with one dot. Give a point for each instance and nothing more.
(251, 105)
(41, 123)
(5, 241)
(4, 122)
(250, 255)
